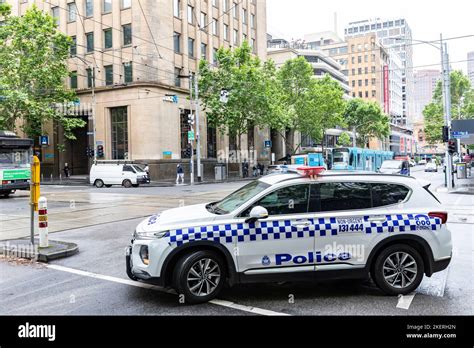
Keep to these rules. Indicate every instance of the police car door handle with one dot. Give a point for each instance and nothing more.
(378, 219)
(301, 224)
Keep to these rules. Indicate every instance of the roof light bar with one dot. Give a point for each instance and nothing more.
(310, 172)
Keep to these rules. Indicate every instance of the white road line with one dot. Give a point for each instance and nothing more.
(404, 302)
(221, 303)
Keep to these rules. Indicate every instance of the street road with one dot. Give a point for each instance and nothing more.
(94, 281)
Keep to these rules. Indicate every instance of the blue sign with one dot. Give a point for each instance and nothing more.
(461, 135)
(268, 144)
(44, 140)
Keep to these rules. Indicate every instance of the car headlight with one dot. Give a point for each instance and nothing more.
(151, 235)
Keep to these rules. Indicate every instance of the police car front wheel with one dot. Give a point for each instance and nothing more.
(199, 276)
(398, 270)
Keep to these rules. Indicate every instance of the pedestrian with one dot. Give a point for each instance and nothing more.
(262, 169)
(147, 171)
(179, 174)
(255, 171)
(66, 170)
(245, 169)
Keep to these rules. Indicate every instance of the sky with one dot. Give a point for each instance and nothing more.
(427, 19)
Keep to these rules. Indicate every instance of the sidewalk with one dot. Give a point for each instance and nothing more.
(462, 186)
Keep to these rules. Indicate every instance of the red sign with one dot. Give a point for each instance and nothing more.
(386, 90)
(402, 145)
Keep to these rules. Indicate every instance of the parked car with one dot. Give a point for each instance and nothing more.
(126, 175)
(412, 163)
(395, 167)
(422, 162)
(398, 221)
(431, 167)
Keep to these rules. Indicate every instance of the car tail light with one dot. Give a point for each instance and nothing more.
(440, 215)
(4, 182)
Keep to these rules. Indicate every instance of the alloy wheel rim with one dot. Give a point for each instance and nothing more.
(203, 277)
(400, 270)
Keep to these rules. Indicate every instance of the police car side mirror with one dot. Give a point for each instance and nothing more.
(257, 213)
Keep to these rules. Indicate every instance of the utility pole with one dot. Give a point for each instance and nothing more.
(94, 133)
(198, 132)
(191, 123)
(447, 108)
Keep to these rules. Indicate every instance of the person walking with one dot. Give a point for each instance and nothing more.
(66, 170)
(179, 174)
(147, 171)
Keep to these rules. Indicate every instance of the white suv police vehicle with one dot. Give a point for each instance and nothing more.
(295, 226)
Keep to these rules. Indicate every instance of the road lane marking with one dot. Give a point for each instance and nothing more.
(404, 302)
(221, 303)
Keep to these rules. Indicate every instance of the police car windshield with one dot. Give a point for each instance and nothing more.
(238, 198)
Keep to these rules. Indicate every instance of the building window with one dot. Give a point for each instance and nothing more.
(366, 82)
(215, 27)
(215, 3)
(106, 6)
(374, 93)
(126, 4)
(177, 42)
(177, 8)
(374, 82)
(235, 10)
(72, 12)
(373, 70)
(119, 130)
(203, 51)
(185, 127)
(353, 83)
(252, 21)
(359, 59)
(191, 47)
(73, 48)
(89, 8)
(211, 142)
(244, 16)
(109, 75)
(55, 14)
(177, 79)
(89, 78)
(236, 37)
(128, 72)
(127, 34)
(252, 44)
(90, 42)
(214, 55)
(359, 71)
(226, 32)
(190, 14)
(203, 20)
(73, 80)
(108, 43)
(360, 83)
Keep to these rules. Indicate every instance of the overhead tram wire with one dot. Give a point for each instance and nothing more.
(149, 29)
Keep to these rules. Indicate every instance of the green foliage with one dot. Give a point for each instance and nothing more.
(368, 119)
(462, 106)
(33, 68)
(344, 140)
(248, 82)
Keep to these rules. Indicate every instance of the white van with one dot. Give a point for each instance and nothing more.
(126, 175)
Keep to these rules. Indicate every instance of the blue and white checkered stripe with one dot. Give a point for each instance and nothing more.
(283, 229)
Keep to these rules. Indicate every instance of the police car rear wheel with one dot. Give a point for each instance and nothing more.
(398, 270)
(199, 276)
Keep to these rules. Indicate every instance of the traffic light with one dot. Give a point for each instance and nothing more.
(445, 134)
(100, 151)
(89, 152)
(452, 146)
(191, 119)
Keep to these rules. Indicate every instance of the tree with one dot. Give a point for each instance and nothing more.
(249, 83)
(33, 69)
(344, 140)
(368, 119)
(462, 106)
(294, 85)
(325, 108)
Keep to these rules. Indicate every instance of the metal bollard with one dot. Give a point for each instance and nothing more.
(43, 222)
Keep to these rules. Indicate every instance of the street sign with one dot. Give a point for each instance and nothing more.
(461, 135)
(171, 99)
(44, 140)
(224, 97)
(191, 136)
(268, 144)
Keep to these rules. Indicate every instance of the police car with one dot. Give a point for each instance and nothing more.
(308, 225)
